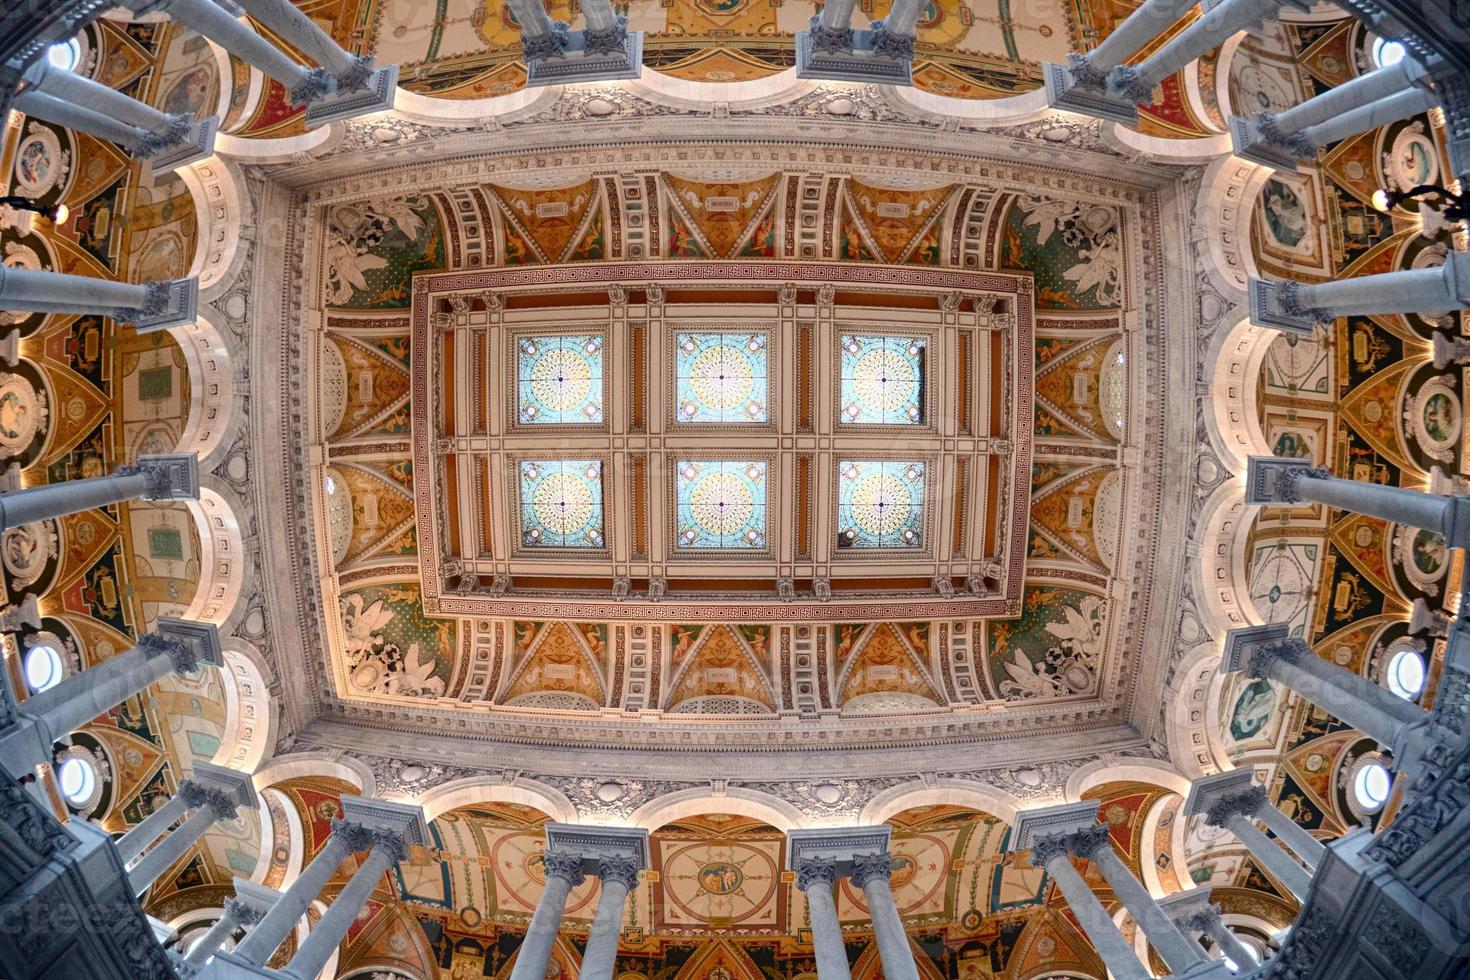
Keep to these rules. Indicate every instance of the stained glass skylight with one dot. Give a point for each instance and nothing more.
(882, 380)
(721, 504)
(880, 503)
(561, 503)
(721, 377)
(559, 380)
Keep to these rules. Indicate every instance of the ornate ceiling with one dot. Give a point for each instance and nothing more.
(396, 328)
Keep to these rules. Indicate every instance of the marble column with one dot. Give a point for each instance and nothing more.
(364, 824)
(563, 873)
(250, 903)
(1230, 799)
(1389, 109)
(163, 130)
(619, 876)
(1053, 853)
(1268, 653)
(1208, 921)
(541, 37)
(831, 30)
(1297, 306)
(302, 84)
(273, 928)
(175, 645)
(172, 477)
(1273, 480)
(1096, 845)
(1125, 40)
(73, 116)
(214, 793)
(816, 878)
(148, 306)
(871, 872)
(1136, 83)
(893, 36)
(305, 35)
(1277, 138)
(386, 850)
(606, 32)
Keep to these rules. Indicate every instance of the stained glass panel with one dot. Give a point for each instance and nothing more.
(721, 504)
(561, 503)
(880, 503)
(560, 380)
(882, 380)
(720, 377)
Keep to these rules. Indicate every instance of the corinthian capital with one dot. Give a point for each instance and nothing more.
(355, 836)
(868, 866)
(816, 871)
(620, 869)
(1246, 803)
(568, 867)
(1087, 843)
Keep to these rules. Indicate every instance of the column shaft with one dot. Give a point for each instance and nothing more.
(68, 706)
(903, 17)
(1389, 109)
(1400, 505)
(277, 924)
(332, 927)
(1293, 835)
(44, 291)
(601, 956)
(535, 951)
(239, 40)
(1208, 32)
(837, 14)
(82, 91)
(1404, 291)
(1178, 951)
(1349, 95)
(170, 849)
(1240, 954)
(212, 940)
(78, 117)
(304, 34)
(1277, 862)
(599, 15)
(68, 497)
(1120, 959)
(831, 952)
(893, 942)
(1368, 707)
(150, 828)
(1141, 27)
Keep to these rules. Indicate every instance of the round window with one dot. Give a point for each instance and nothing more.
(1371, 786)
(65, 55)
(78, 779)
(1405, 674)
(1386, 52)
(43, 667)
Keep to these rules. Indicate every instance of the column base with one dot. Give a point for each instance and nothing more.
(375, 95)
(1249, 143)
(179, 308)
(1268, 310)
(197, 144)
(577, 64)
(862, 64)
(1063, 91)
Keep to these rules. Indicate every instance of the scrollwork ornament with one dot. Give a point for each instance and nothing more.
(613, 40)
(1047, 848)
(539, 47)
(1288, 481)
(1258, 664)
(181, 653)
(390, 843)
(1090, 841)
(354, 836)
(832, 40)
(898, 47)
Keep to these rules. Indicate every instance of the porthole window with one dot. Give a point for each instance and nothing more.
(1370, 787)
(1386, 52)
(65, 55)
(1405, 674)
(78, 779)
(43, 667)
